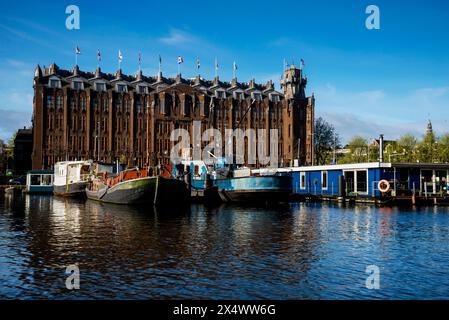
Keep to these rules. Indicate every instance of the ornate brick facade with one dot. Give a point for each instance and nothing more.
(109, 117)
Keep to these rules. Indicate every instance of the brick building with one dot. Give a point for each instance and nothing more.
(109, 117)
(23, 147)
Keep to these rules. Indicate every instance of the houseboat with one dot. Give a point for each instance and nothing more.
(71, 178)
(377, 182)
(136, 186)
(39, 181)
(231, 184)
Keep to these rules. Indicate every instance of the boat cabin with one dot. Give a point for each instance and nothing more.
(39, 181)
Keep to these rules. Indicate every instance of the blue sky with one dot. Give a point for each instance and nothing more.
(365, 81)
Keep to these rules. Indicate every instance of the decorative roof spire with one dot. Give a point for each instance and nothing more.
(139, 75)
(269, 85)
(429, 127)
(53, 68)
(38, 72)
(119, 74)
(98, 72)
(76, 70)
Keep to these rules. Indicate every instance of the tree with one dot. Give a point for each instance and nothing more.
(358, 147)
(407, 144)
(427, 148)
(443, 149)
(326, 139)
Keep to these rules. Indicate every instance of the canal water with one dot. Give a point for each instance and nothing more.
(290, 251)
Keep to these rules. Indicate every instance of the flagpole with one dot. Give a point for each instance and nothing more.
(160, 63)
(140, 63)
(216, 69)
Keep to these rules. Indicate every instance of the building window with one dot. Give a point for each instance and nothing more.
(221, 94)
(59, 102)
(139, 106)
(302, 177)
(274, 97)
(256, 96)
(238, 95)
(105, 104)
(95, 104)
(77, 85)
(324, 180)
(54, 83)
(83, 103)
(143, 89)
(121, 88)
(50, 102)
(99, 86)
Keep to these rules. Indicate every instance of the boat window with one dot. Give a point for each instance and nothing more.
(303, 180)
(362, 185)
(324, 180)
(85, 170)
(35, 180)
(46, 180)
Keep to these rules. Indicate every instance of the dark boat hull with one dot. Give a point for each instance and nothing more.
(148, 190)
(72, 190)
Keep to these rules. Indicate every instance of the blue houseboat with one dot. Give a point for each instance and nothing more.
(374, 181)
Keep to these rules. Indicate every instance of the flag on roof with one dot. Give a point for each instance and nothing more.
(77, 50)
(120, 56)
(98, 55)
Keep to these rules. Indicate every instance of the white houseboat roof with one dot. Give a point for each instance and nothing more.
(355, 166)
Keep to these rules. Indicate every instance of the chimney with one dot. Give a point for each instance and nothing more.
(381, 148)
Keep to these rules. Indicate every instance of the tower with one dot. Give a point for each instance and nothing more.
(298, 118)
(293, 83)
(429, 127)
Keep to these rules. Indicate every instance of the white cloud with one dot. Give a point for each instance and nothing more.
(11, 120)
(178, 37)
(369, 113)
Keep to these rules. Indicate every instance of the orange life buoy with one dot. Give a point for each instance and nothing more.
(383, 186)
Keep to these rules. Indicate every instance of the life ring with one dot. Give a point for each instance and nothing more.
(383, 186)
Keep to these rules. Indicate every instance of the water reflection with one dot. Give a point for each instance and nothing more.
(284, 252)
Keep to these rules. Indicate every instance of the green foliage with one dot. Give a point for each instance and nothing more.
(406, 149)
(358, 151)
(326, 140)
